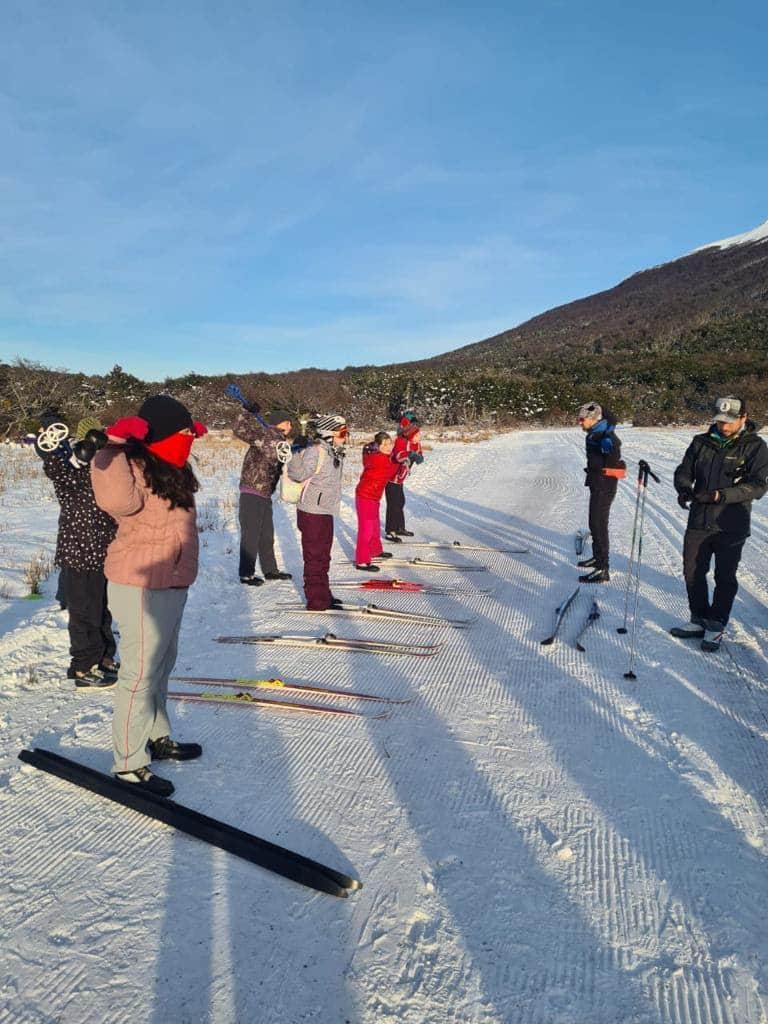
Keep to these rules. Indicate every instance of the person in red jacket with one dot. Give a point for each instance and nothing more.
(378, 470)
(406, 452)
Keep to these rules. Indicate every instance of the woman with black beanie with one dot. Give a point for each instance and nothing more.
(143, 480)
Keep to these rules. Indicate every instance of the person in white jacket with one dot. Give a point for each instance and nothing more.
(319, 467)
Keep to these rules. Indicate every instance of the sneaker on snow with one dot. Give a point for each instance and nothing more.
(383, 554)
(277, 575)
(252, 581)
(94, 679)
(392, 538)
(587, 563)
(712, 640)
(596, 576)
(367, 567)
(689, 631)
(404, 533)
(144, 778)
(166, 749)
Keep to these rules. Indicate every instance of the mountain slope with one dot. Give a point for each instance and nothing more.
(722, 279)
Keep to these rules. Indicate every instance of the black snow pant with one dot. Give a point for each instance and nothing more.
(600, 501)
(61, 588)
(90, 623)
(394, 521)
(257, 534)
(698, 548)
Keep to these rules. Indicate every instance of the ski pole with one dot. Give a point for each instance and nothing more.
(623, 627)
(645, 472)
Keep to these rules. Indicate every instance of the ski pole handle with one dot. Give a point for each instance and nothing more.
(645, 471)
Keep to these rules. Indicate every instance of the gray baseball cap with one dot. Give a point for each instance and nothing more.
(729, 409)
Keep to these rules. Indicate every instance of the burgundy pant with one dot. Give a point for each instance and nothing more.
(368, 530)
(316, 540)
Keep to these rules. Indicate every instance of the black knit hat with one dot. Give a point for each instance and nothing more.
(165, 416)
(278, 416)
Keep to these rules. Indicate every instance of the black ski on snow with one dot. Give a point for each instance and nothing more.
(457, 545)
(560, 615)
(594, 615)
(580, 539)
(226, 837)
(377, 612)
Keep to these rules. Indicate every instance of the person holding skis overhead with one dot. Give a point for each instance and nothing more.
(378, 470)
(405, 453)
(603, 471)
(723, 471)
(260, 476)
(84, 534)
(319, 466)
(143, 480)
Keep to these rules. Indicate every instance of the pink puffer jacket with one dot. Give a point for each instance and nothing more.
(156, 546)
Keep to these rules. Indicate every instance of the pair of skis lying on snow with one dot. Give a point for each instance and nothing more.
(247, 698)
(560, 613)
(226, 837)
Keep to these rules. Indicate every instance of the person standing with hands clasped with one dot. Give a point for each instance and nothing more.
(143, 480)
(723, 471)
(604, 470)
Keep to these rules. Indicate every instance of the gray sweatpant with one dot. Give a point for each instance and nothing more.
(149, 622)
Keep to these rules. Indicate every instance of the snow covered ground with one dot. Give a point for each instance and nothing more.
(540, 839)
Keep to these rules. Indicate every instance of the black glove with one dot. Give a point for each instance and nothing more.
(50, 416)
(706, 497)
(415, 457)
(685, 497)
(85, 450)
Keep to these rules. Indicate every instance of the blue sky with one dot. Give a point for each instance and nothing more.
(239, 186)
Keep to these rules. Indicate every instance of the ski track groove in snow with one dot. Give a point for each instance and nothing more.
(541, 841)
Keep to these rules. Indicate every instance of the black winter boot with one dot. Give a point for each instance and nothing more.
(166, 749)
(587, 563)
(596, 576)
(276, 575)
(144, 779)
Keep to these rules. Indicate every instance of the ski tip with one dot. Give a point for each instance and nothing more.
(579, 647)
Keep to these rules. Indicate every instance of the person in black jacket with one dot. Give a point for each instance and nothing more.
(603, 471)
(83, 536)
(723, 471)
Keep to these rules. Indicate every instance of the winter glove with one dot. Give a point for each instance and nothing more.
(415, 457)
(85, 450)
(685, 497)
(49, 416)
(129, 426)
(707, 497)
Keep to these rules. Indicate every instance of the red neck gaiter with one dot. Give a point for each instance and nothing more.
(174, 449)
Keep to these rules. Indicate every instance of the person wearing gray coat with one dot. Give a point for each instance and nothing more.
(319, 467)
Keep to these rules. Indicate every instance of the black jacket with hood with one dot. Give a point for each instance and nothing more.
(737, 467)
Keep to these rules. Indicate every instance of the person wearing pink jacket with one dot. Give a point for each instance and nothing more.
(143, 480)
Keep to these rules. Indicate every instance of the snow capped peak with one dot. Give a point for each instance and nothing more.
(758, 234)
